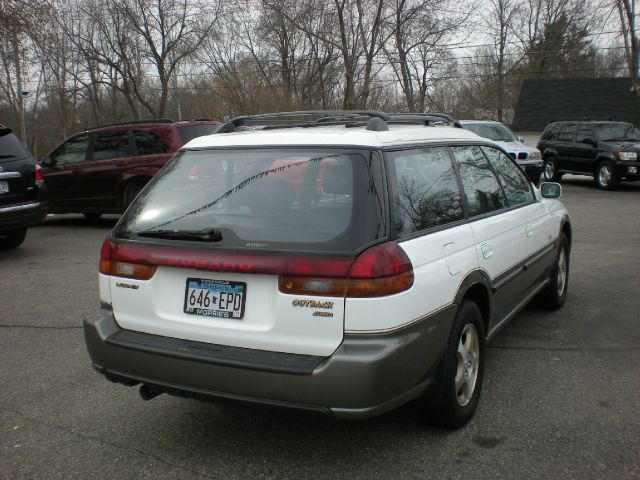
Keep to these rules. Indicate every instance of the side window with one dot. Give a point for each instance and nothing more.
(480, 185)
(514, 183)
(148, 143)
(549, 132)
(584, 132)
(427, 192)
(567, 134)
(72, 151)
(111, 145)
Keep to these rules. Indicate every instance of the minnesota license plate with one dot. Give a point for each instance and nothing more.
(215, 298)
(4, 187)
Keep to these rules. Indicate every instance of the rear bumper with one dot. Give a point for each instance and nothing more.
(15, 217)
(366, 376)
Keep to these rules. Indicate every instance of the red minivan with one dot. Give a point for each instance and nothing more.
(102, 170)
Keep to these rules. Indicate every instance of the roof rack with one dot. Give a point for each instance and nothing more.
(373, 120)
(584, 119)
(318, 118)
(428, 118)
(136, 122)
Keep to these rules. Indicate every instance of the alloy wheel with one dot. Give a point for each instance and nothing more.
(561, 279)
(604, 175)
(468, 360)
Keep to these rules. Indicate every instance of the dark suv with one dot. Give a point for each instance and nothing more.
(102, 170)
(21, 191)
(605, 149)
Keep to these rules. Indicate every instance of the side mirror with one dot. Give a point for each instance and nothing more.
(47, 161)
(550, 190)
(588, 141)
(521, 139)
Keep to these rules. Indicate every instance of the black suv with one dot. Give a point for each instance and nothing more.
(21, 191)
(605, 149)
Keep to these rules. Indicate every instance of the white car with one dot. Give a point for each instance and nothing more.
(529, 158)
(330, 261)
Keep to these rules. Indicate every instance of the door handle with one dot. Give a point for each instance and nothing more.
(528, 231)
(486, 250)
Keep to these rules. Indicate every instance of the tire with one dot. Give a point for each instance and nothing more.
(130, 193)
(606, 176)
(12, 239)
(92, 216)
(555, 293)
(463, 381)
(550, 172)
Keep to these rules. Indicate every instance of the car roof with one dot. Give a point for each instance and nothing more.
(160, 122)
(479, 121)
(335, 136)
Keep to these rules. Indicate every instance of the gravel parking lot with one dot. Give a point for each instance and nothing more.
(560, 398)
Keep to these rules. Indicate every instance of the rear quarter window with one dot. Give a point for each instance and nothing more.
(10, 147)
(426, 192)
(189, 132)
(148, 143)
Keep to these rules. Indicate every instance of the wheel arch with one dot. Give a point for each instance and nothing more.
(565, 227)
(477, 287)
(140, 180)
(549, 152)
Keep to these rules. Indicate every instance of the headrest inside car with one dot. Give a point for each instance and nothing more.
(338, 180)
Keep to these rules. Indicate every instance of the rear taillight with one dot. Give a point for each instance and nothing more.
(39, 180)
(122, 267)
(379, 271)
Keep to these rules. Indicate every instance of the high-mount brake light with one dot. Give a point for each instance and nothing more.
(126, 269)
(379, 271)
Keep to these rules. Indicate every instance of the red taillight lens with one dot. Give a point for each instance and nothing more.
(39, 177)
(380, 271)
(114, 266)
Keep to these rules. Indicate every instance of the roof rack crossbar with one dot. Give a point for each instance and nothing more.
(287, 119)
(423, 117)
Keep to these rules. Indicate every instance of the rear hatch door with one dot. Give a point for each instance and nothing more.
(17, 171)
(228, 230)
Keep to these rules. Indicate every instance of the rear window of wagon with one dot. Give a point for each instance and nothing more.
(295, 199)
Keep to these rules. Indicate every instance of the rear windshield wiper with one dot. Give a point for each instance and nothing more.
(204, 235)
(7, 156)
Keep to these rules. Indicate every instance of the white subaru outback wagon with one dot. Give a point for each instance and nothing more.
(331, 261)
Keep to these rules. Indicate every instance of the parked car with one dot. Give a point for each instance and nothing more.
(22, 197)
(529, 158)
(102, 170)
(605, 149)
(347, 266)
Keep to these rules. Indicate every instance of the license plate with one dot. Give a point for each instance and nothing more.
(4, 187)
(215, 298)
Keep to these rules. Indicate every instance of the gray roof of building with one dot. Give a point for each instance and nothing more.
(543, 101)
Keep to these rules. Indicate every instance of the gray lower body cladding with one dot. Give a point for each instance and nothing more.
(366, 376)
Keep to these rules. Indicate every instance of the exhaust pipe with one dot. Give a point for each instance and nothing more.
(148, 393)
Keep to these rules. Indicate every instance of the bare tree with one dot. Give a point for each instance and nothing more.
(628, 18)
(18, 20)
(417, 56)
